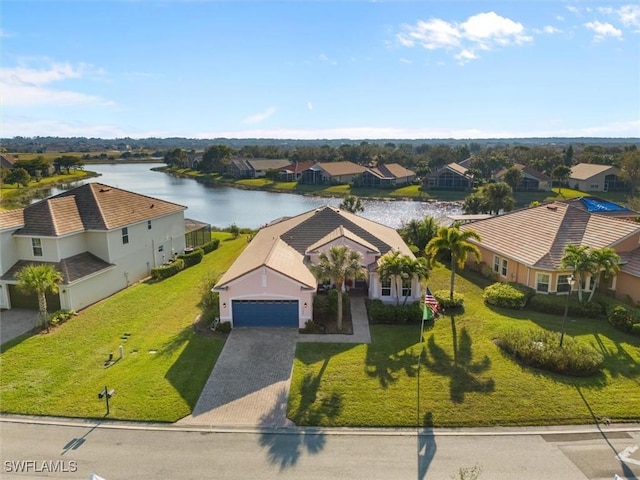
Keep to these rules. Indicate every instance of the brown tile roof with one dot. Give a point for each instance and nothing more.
(93, 206)
(191, 225)
(72, 268)
(298, 167)
(537, 236)
(7, 161)
(631, 263)
(267, 163)
(528, 171)
(297, 234)
(11, 219)
(584, 171)
(454, 167)
(341, 168)
(339, 233)
(392, 170)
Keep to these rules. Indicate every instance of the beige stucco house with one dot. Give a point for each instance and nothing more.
(270, 283)
(591, 177)
(526, 246)
(100, 238)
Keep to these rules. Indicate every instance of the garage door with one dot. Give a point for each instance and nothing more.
(29, 301)
(265, 313)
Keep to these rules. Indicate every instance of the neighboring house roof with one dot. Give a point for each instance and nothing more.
(191, 225)
(282, 245)
(391, 170)
(241, 163)
(537, 236)
(93, 206)
(7, 161)
(528, 171)
(601, 206)
(12, 219)
(297, 167)
(72, 269)
(584, 171)
(336, 169)
(267, 163)
(454, 167)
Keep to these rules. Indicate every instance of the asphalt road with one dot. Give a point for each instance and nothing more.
(126, 452)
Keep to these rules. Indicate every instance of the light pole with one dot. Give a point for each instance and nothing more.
(571, 281)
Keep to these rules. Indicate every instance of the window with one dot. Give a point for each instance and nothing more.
(161, 248)
(504, 267)
(406, 287)
(148, 224)
(36, 243)
(386, 287)
(594, 186)
(125, 235)
(496, 264)
(563, 284)
(500, 266)
(542, 282)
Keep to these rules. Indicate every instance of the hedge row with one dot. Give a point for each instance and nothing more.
(166, 271)
(508, 295)
(555, 304)
(445, 301)
(380, 312)
(192, 258)
(624, 318)
(211, 246)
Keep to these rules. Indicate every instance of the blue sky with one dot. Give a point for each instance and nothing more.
(317, 69)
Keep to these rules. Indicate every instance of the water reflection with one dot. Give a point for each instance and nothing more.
(222, 206)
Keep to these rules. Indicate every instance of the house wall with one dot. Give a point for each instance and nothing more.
(338, 178)
(628, 244)
(627, 285)
(367, 258)
(266, 284)
(8, 250)
(375, 290)
(90, 290)
(592, 184)
(71, 245)
(25, 249)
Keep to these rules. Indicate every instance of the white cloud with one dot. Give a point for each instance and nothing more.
(324, 58)
(548, 29)
(573, 9)
(483, 31)
(405, 60)
(603, 30)
(262, 116)
(25, 86)
(29, 127)
(310, 105)
(630, 15)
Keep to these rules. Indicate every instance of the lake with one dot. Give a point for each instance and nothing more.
(221, 206)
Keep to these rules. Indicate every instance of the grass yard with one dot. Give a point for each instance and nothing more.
(464, 378)
(62, 372)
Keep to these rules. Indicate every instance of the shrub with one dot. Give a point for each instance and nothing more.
(60, 316)
(380, 312)
(192, 258)
(211, 246)
(540, 349)
(312, 327)
(166, 271)
(635, 329)
(555, 304)
(508, 295)
(445, 302)
(486, 271)
(224, 327)
(623, 318)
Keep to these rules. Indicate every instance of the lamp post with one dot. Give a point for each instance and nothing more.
(571, 282)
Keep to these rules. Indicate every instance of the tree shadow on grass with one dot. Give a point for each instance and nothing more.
(463, 372)
(387, 359)
(284, 448)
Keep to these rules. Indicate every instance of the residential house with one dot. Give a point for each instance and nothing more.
(100, 238)
(603, 207)
(255, 167)
(7, 161)
(293, 171)
(389, 175)
(452, 176)
(271, 284)
(331, 173)
(591, 177)
(527, 245)
(532, 180)
(196, 233)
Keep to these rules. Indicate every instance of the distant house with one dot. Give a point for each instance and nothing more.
(293, 171)
(271, 284)
(532, 180)
(390, 175)
(7, 161)
(196, 233)
(100, 238)
(452, 176)
(331, 172)
(255, 167)
(591, 177)
(526, 246)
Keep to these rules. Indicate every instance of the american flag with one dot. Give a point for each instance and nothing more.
(431, 301)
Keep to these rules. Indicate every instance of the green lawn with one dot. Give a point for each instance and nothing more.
(464, 378)
(61, 373)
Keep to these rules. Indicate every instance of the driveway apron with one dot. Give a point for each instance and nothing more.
(16, 322)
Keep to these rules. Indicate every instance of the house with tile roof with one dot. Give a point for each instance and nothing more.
(388, 175)
(532, 180)
(255, 167)
(271, 284)
(591, 177)
(7, 161)
(452, 176)
(101, 238)
(331, 173)
(526, 246)
(293, 171)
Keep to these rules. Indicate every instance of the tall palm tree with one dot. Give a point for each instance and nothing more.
(415, 267)
(418, 232)
(40, 279)
(352, 204)
(393, 267)
(339, 263)
(604, 261)
(576, 258)
(456, 243)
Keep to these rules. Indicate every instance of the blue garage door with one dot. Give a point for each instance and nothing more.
(265, 313)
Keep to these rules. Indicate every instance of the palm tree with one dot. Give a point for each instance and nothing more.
(418, 267)
(393, 266)
(352, 204)
(456, 243)
(339, 263)
(576, 258)
(561, 173)
(498, 196)
(40, 279)
(418, 232)
(604, 261)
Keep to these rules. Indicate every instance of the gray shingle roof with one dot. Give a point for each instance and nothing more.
(72, 268)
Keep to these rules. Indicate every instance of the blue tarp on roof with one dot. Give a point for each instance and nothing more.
(598, 205)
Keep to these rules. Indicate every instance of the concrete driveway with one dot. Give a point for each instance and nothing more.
(16, 322)
(249, 385)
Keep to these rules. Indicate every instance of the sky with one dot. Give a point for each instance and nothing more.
(320, 69)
